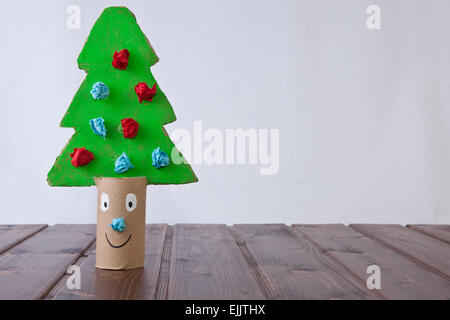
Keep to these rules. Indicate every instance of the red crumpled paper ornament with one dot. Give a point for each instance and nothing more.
(130, 127)
(144, 92)
(81, 157)
(120, 59)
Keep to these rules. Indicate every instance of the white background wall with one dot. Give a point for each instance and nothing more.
(364, 116)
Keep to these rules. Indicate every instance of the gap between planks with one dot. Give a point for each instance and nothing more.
(47, 295)
(20, 240)
(164, 274)
(342, 267)
(162, 285)
(35, 265)
(206, 263)
(253, 266)
(52, 292)
(419, 260)
(102, 284)
(439, 232)
(264, 282)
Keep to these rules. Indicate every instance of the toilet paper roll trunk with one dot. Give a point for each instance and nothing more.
(120, 222)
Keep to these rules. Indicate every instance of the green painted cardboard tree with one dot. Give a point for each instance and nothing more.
(116, 30)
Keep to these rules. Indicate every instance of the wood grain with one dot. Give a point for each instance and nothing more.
(400, 277)
(10, 235)
(33, 267)
(239, 262)
(429, 253)
(293, 267)
(61, 238)
(207, 264)
(164, 271)
(118, 284)
(440, 232)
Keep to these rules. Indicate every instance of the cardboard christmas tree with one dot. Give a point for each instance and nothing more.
(119, 144)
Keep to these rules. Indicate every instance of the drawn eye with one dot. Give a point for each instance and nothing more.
(104, 202)
(130, 202)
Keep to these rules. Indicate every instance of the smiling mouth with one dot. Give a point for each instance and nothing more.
(119, 246)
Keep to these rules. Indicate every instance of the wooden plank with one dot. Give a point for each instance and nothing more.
(164, 271)
(33, 267)
(10, 235)
(118, 284)
(207, 264)
(400, 277)
(440, 232)
(430, 253)
(293, 267)
(86, 278)
(62, 238)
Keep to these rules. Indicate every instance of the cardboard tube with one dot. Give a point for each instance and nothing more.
(121, 198)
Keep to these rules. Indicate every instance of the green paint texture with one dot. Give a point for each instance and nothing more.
(116, 29)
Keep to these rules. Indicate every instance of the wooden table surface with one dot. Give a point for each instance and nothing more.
(191, 261)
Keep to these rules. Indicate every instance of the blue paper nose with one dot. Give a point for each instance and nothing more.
(118, 224)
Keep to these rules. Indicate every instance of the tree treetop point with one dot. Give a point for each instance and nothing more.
(114, 30)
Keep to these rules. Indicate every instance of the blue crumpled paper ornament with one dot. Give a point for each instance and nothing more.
(160, 159)
(118, 224)
(123, 164)
(98, 126)
(99, 91)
